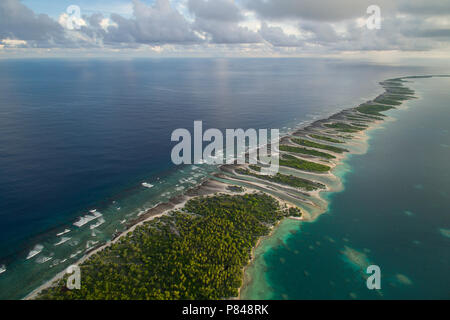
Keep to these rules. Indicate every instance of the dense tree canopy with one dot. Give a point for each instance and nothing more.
(197, 253)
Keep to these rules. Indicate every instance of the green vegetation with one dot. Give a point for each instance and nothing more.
(393, 83)
(254, 167)
(290, 180)
(413, 77)
(372, 117)
(197, 253)
(373, 109)
(356, 118)
(359, 125)
(312, 144)
(306, 151)
(294, 212)
(398, 97)
(399, 90)
(296, 163)
(315, 136)
(236, 189)
(395, 94)
(342, 127)
(388, 101)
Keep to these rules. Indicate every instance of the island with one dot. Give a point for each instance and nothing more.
(198, 245)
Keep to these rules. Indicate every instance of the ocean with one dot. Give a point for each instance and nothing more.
(84, 135)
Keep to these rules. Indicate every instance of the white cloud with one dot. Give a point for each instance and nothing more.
(64, 18)
(221, 21)
(13, 43)
(105, 23)
(260, 27)
(276, 36)
(159, 23)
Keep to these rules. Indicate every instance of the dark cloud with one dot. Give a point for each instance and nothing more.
(425, 7)
(418, 28)
(321, 32)
(360, 38)
(226, 32)
(435, 33)
(19, 22)
(217, 10)
(320, 10)
(219, 20)
(157, 24)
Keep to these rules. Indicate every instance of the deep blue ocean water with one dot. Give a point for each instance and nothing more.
(82, 134)
(394, 212)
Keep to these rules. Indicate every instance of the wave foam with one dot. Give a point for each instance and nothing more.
(97, 224)
(63, 240)
(43, 259)
(147, 185)
(35, 251)
(87, 218)
(62, 233)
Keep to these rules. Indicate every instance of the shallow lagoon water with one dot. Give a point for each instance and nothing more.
(391, 213)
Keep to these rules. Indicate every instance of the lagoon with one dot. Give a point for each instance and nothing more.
(391, 213)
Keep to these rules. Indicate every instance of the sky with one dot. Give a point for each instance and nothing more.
(225, 28)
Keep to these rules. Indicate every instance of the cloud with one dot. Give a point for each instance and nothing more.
(217, 10)
(425, 7)
(63, 20)
(277, 37)
(321, 32)
(226, 32)
(19, 22)
(435, 33)
(12, 43)
(157, 24)
(219, 21)
(245, 26)
(419, 27)
(323, 10)
(355, 37)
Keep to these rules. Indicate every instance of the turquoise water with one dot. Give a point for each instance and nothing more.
(394, 212)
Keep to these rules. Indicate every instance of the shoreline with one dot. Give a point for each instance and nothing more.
(212, 186)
